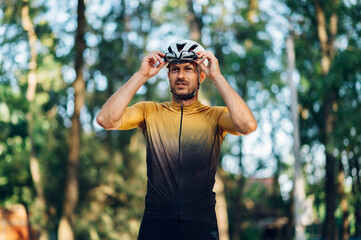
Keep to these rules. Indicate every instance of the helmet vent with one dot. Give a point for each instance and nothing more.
(193, 47)
(180, 46)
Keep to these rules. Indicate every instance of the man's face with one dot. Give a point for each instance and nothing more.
(183, 78)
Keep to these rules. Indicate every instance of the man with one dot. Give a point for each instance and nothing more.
(183, 139)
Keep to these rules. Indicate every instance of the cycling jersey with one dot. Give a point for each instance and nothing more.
(183, 145)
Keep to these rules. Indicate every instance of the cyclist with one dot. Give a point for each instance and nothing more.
(183, 139)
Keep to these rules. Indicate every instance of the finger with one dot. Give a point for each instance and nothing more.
(161, 64)
(150, 58)
(154, 60)
(203, 53)
(199, 61)
(203, 60)
(159, 53)
(209, 55)
(203, 57)
(202, 66)
(151, 55)
(158, 58)
(156, 69)
(200, 54)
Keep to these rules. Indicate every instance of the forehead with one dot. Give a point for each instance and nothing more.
(182, 65)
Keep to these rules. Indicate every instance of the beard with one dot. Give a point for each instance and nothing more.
(183, 94)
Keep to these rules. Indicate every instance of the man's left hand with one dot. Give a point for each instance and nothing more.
(212, 71)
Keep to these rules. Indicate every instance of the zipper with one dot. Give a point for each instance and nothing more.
(180, 213)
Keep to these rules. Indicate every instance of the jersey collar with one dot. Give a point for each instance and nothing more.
(188, 108)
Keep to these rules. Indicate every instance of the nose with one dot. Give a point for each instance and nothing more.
(181, 74)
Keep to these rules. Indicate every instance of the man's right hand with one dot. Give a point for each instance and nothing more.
(112, 111)
(151, 64)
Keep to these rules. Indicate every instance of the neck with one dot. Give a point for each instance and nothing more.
(185, 102)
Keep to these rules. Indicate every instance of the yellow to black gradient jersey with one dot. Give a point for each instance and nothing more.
(183, 145)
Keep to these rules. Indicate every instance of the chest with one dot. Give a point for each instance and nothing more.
(190, 127)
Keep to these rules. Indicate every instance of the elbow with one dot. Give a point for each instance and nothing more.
(106, 123)
(252, 126)
(100, 120)
(249, 128)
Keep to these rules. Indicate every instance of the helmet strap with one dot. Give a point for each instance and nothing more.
(185, 98)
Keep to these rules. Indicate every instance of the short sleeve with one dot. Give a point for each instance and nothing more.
(225, 123)
(133, 116)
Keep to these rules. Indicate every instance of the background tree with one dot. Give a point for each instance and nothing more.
(298, 182)
(322, 28)
(32, 80)
(71, 189)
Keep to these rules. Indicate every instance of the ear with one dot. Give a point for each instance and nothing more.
(202, 77)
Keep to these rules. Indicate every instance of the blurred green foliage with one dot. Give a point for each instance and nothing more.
(112, 172)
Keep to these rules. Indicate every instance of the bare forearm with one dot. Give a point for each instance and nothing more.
(112, 111)
(241, 115)
(110, 115)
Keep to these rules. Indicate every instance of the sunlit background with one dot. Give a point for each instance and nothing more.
(256, 172)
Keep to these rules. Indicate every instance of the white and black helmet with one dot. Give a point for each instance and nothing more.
(183, 51)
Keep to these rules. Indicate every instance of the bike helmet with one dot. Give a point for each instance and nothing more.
(183, 51)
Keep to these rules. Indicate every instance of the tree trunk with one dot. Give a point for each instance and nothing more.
(30, 95)
(357, 213)
(238, 208)
(344, 204)
(67, 221)
(276, 191)
(289, 228)
(221, 208)
(299, 195)
(194, 22)
(252, 13)
(330, 223)
(356, 191)
(327, 50)
(32, 38)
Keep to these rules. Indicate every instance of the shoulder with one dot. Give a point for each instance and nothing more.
(145, 104)
(218, 110)
(149, 106)
(212, 112)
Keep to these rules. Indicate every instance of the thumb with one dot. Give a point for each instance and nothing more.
(161, 64)
(203, 67)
